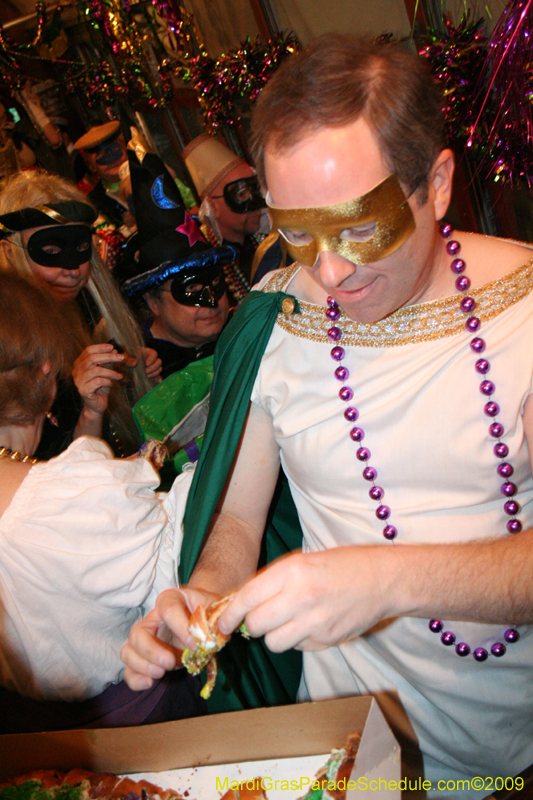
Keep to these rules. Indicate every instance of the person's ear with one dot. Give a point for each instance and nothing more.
(51, 384)
(441, 182)
(7, 247)
(152, 303)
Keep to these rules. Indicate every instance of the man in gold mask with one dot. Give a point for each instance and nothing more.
(394, 388)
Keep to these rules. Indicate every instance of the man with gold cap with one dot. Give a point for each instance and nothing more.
(104, 154)
(232, 206)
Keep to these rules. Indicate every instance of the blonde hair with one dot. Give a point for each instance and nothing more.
(30, 189)
(43, 334)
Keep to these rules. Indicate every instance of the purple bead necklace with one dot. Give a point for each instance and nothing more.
(496, 431)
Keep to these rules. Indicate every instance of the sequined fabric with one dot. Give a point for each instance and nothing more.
(410, 325)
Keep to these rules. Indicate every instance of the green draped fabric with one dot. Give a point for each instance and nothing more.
(170, 402)
(251, 676)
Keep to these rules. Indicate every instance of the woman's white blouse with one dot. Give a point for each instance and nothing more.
(85, 546)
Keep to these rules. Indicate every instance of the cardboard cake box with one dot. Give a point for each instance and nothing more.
(196, 756)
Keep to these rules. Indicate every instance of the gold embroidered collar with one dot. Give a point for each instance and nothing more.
(411, 324)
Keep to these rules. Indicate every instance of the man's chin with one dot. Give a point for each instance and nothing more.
(368, 316)
(252, 223)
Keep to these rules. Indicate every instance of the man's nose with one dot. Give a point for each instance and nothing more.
(333, 269)
(208, 297)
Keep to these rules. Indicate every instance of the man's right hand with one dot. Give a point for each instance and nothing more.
(156, 642)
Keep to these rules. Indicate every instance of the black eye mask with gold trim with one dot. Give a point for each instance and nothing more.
(50, 214)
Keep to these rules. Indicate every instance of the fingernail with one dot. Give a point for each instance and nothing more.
(224, 628)
(144, 683)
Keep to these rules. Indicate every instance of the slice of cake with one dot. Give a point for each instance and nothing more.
(331, 781)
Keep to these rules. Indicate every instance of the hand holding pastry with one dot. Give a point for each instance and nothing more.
(156, 642)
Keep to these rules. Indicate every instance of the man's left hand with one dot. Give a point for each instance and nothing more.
(312, 601)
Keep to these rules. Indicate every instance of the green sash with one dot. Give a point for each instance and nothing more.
(251, 676)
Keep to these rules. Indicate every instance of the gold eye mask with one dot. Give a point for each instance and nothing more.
(365, 229)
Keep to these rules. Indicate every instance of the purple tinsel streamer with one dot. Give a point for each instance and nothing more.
(508, 80)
